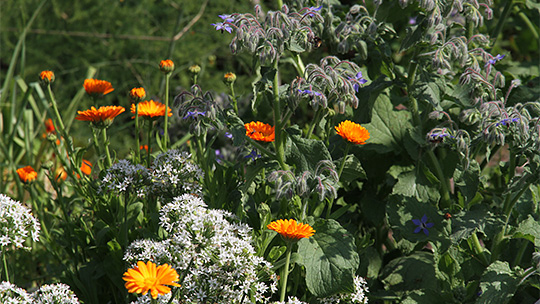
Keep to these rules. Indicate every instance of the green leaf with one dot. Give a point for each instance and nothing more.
(415, 184)
(529, 229)
(414, 272)
(330, 259)
(352, 170)
(465, 223)
(430, 89)
(413, 37)
(467, 181)
(388, 127)
(498, 284)
(367, 97)
(305, 153)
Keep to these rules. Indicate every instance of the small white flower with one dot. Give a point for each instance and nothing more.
(55, 294)
(16, 222)
(11, 294)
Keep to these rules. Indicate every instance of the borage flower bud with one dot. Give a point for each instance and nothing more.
(229, 78)
(46, 77)
(166, 66)
(137, 94)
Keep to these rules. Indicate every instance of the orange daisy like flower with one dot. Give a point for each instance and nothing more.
(291, 230)
(97, 88)
(166, 66)
(27, 174)
(146, 277)
(46, 77)
(100, 117)
(60, 174)
(260, 131)
(86, 167)
(352, 132)
(151, 109)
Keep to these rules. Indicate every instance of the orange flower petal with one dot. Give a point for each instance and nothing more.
(151, 109)
(27, 174)
(147, 277)
(260, 131)
(352, 132)
(291, 230)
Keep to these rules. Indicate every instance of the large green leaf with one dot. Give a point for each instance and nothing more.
(415, 184)
(414, 272)
(478, 219)
(330, 259)
(388, 127)
(467, 181)
(498, 284)
(304, 153)
(529, 229)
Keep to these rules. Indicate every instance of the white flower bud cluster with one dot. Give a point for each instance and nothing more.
(16, 223)
(47, 294)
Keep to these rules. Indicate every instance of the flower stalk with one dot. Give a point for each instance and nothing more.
(278, 143)
(285, 272)
(166, 127)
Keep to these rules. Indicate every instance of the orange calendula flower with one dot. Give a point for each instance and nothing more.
(86, 167)
(291, 230)
(147, 277)
(60, 174)
(27, 174)
(166, 66)
(151, 109)
(49, 126)
(101, 117)
(352, 132)
(257, 130)
(97, 88)
(46, 77)
(137, 94)
(229, 77)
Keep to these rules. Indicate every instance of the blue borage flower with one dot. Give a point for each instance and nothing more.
(253, 155)
(422, 224)
(358, 79)
(310, 93)
(226, 18)
(494, 60)
(438, 135)
(506, 121)
(194, 114)
(222, 26)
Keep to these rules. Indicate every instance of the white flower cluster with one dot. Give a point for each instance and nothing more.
(47, 294)
(357, 296)
(214, 252)
(291, 300)
(16, 221)
(124, 176)
(174, 174)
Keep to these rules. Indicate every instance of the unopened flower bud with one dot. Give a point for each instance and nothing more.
(166, 66)
(229, 78)
(194, 69)
(137, 94)
(46, 77)
(51, 137)
(47, 165)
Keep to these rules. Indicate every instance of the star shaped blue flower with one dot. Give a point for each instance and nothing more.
(222, 26)
(422, 224)
(194, 114)
(506, 121)
(226, 18)
(309, 92)
(360, 80)
(494, 60)
(253, 155)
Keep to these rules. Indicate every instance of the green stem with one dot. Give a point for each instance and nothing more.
(126, 219)
(262, 149)
(527, 21)
(278, 142)
(479, 250)
(445, 199)
(411, 75)
(316, 120)
(4, 260)
(137, 131)
(519, 255)
(342, 164)
(106, 147)
(98, 148)
(298, 63)
(166, 127)
(233, 98)
(285, 273)
(502, 20)
(149, 136)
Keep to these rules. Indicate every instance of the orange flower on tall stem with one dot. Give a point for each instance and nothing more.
(27, 174)
(166, 66)
(147, 277)
(352, 132)
(49, 126)
(97, 88)
(46, 77)
(151, 109)
(259, 131)
(291, 230)
(86, 167)
(100, 117)
(137, 94)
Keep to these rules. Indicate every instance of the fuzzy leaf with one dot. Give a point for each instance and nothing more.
(498, 284)
(529, 229)
(416, 271)
(305, 153)
(330, 259)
